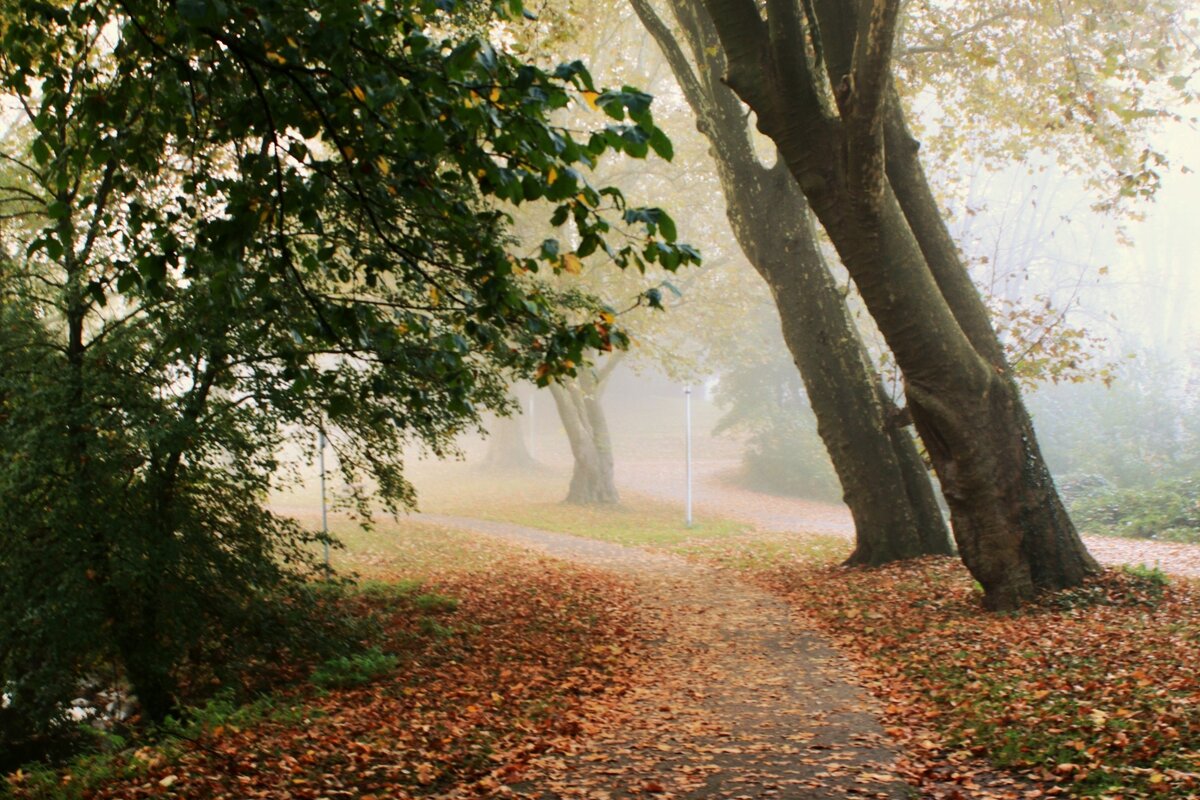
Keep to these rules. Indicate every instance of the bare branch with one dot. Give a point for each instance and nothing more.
(689, 84)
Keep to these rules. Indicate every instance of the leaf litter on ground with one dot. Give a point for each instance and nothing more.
(515, 659)
(1089, 692)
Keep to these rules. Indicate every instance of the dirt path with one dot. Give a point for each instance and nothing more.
(664, 480)
(740, 699)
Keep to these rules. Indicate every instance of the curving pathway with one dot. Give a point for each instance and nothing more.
(738, 698)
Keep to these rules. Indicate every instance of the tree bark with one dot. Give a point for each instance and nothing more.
(884, 481)
(579, 407)
(1010, 526)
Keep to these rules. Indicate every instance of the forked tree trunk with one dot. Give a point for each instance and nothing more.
(582, 414)
(1009, 523)
(884, 482)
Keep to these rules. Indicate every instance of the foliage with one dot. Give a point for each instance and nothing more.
(222, 227)
(1091, 691)
(1042, 347)
(1082, 81)
(1167, 511)
(354, 670)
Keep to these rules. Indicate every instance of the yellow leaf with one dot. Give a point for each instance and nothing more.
(434, 295)
(360, 94)
(607, 318)
(273, 56)
(383, 165)
(426, 772)
(418, 20)
(551, 175)
(495, 95)
(590, 97)
(572, 264)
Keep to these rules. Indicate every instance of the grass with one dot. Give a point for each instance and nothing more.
(409, 551)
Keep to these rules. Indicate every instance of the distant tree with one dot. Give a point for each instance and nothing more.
(221, 225)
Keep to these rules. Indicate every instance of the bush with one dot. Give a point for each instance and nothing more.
(1078, 485)
(1167, 511)
(790, 460)
(354, 670)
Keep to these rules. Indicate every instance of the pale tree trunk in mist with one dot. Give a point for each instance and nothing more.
(506, 445)
(1010, 525)
(884, 480)
(579, 407)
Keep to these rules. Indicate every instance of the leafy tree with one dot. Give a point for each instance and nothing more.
(884, 481)
(829, 106)
(222, 224)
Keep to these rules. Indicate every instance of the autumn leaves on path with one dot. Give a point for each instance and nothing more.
(736, 698)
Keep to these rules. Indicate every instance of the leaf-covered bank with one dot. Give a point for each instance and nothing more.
(476, 672)
(1092, 691)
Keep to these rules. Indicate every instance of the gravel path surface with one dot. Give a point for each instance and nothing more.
(741, 700)
(665, 480)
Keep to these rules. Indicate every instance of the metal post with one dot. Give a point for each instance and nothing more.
(687, 393)
(324, 516)
(532, 424)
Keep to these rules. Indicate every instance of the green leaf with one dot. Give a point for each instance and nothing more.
(661, 144)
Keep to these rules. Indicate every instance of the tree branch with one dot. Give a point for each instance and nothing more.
(689, 84)
(871, 76)
(744, 37)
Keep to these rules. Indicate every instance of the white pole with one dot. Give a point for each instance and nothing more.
(324, 516)
(532, 424)
(687, 393)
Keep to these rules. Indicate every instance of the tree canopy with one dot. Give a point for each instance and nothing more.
(225, 223)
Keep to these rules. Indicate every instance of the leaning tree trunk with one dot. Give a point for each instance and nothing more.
(1008, 521)
(884, 481)
(1055, 559)
(582, 415)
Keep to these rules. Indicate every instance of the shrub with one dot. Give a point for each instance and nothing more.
(353, 670)
(1167, 511)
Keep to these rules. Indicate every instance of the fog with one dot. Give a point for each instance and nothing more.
(1116, 406)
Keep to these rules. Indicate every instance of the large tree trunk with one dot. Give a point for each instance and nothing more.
(582, 415)
(884, 481)
(1008, 521)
